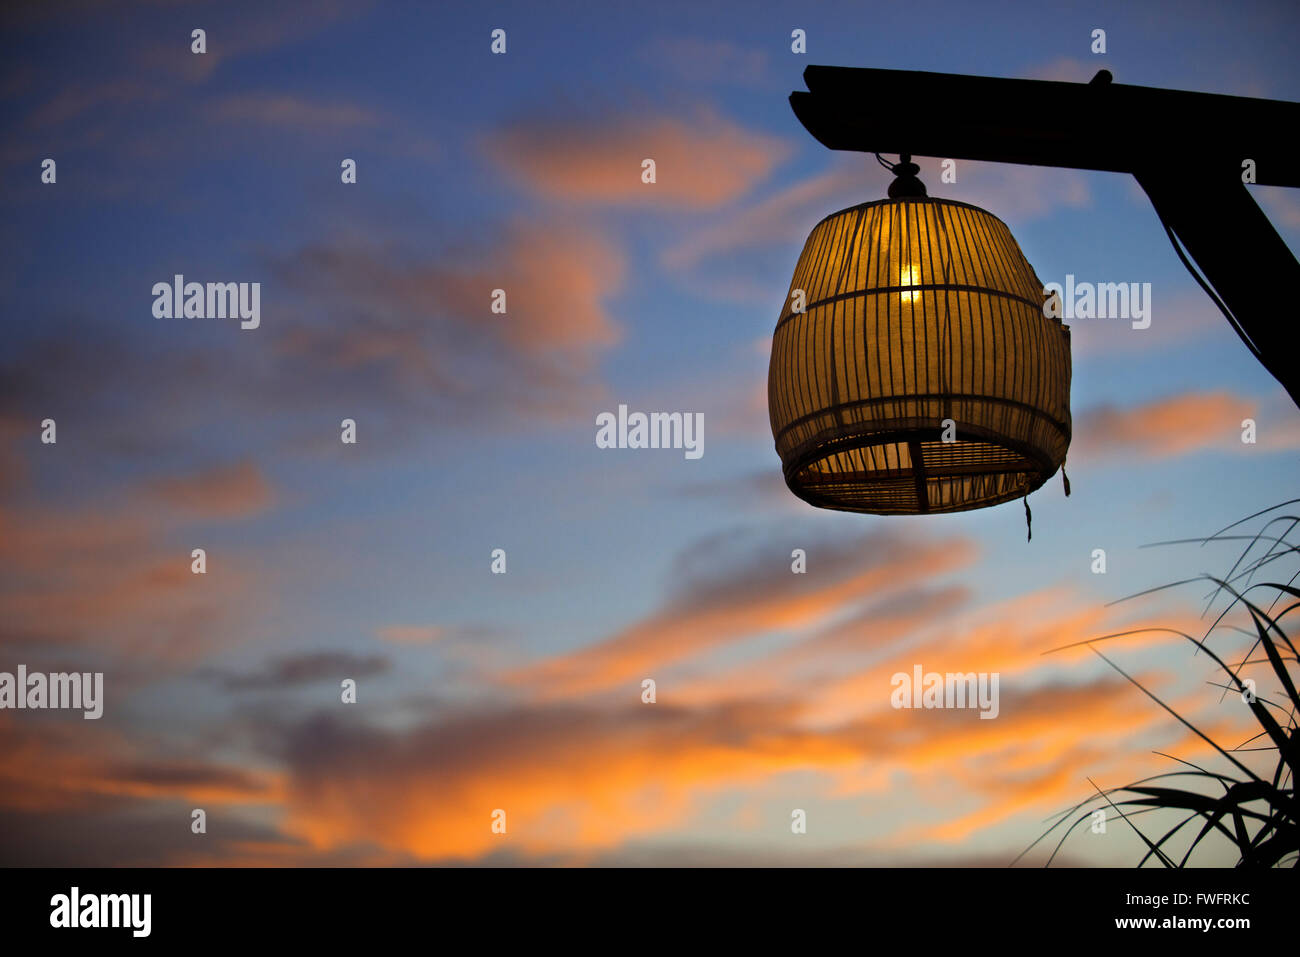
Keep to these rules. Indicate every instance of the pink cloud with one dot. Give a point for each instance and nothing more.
(701, 161)
(1164, 428)
(234, 491)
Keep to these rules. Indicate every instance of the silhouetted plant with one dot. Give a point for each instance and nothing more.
(1257, 812)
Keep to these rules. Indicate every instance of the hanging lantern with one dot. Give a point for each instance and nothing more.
(913, 369)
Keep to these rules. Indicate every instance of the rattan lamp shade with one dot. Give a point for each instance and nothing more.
(917, 310)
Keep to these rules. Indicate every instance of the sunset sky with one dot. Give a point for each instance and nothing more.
(476, 431)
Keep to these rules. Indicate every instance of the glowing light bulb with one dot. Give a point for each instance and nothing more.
(909, 277)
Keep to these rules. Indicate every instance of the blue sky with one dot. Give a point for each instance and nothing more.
(476, 431)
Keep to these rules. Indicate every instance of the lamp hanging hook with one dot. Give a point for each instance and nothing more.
(906, 182)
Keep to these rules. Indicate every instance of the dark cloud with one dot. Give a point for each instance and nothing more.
(290, 671)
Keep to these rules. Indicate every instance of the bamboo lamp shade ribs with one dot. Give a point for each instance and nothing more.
(915, 311)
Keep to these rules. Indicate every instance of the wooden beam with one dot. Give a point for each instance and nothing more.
(1102, 126)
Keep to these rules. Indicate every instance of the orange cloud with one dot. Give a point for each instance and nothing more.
(47, 765)
(568, 779)
(411, 634)
(703, 161)
(233, 491)
(1101, 750)
(813, 668)
(107, 575)
(1034, 759)
(1163, 428)
(747, 602)
(421, 328)
(574, 779)
(1009, 637)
